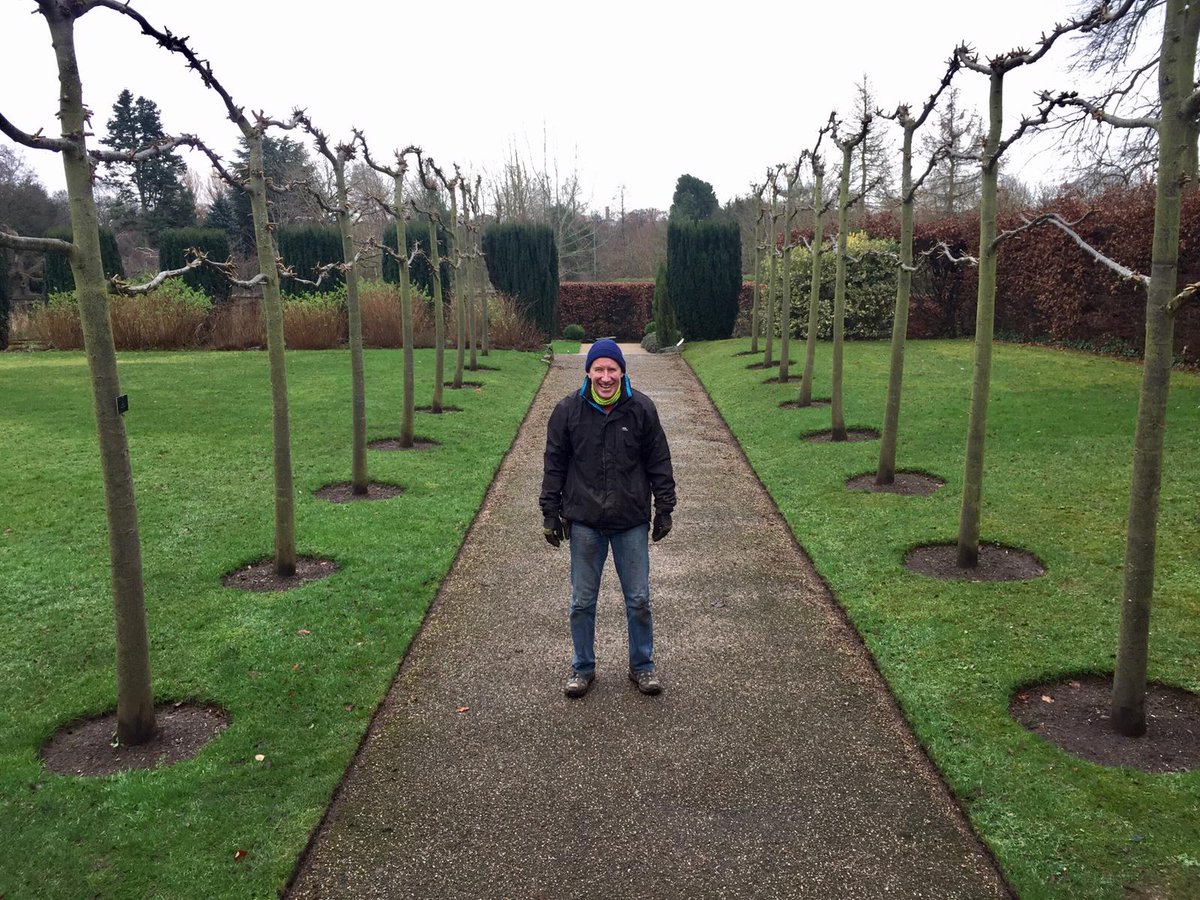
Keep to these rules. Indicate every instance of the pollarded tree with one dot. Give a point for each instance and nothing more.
(773, 249)
(847, 145)
(256, 187)
(398, 210)
(819, 207)
(135, 698)
(886, 471)
(431, 176)
(1175, 126)
(995, 69)
(338, 157)
(791, 176)
(757, 191)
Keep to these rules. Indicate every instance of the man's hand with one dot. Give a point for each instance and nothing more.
(662, 526)
(552, 528)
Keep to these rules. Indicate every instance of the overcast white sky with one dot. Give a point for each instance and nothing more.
(629, 93)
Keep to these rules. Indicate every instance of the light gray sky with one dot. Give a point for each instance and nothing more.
(630, 94)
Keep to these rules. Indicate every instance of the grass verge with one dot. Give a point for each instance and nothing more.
(300, 673)
(1056, 482)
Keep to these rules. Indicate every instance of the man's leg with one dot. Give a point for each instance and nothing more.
(589, 550)
(631, 554)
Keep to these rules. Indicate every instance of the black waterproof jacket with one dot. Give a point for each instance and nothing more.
(601, 468)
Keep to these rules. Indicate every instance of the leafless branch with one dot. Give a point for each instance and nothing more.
(158, 148)
(1122, 271)
(1034, 223)
(1097, 111)
(36, 141)
(941, 248)
(121, 286)
(14, 241)
(1188, 293)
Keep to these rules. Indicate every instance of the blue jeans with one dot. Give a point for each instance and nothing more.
(631, 555)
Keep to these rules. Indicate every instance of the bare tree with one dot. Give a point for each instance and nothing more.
(995, 69)
(431, 176)
(785, 312)
(1175, 126)
(847, 145)
(872, 159)
(956, 138)
(773, 249)
(398, 210)
(886, 471)
(819, 207)
(757, 191)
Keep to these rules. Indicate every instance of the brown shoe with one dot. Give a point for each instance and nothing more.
(647, 682)
(578, 683)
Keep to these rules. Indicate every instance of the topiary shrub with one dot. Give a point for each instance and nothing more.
(704, 275)
(650, 326)
(173, 246)
(56, 269)
(522, 261)
(573, 333)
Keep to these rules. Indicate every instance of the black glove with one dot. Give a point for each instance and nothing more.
(662, 526)
(552, 528)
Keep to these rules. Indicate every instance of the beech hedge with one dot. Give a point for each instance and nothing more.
(607, 309)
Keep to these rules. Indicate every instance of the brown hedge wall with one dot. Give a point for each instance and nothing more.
(1048, 290)
(605, 309)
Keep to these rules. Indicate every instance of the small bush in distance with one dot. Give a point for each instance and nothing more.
(650, 327)
(315, 321)
(573, 332)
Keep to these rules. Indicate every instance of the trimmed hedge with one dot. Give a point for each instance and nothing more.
(704, 275)
(604, 309)
(173, 244)
(56, 270)
(420, 273)
(304, 248)
(522, 261)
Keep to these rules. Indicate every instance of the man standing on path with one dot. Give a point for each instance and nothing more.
(606, 453)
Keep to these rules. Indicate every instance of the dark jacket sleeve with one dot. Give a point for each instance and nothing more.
(657, 457)
(557, 459)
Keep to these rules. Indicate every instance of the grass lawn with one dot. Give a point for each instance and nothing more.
(199, 433)
(1056, 482)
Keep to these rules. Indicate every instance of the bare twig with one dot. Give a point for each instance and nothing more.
(36, 141)
(1123, 271)
(941, 248)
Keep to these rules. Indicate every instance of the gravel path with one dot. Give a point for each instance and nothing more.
(774, 765)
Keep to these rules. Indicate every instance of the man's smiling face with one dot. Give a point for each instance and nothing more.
(606, 376)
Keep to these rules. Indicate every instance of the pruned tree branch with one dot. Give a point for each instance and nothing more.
(14, 241)
(1034, 223)
(1122, 271)
(1096, 111)
(121, 286)
(36, 141)
(1188, 293)
(941, 248)
(158, 148)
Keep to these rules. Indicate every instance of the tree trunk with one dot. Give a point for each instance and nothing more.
(814, 287)
(754, 323)
(769, 320)
(838, 432)
(484, 344)
(456, 294)
(1175, 78)
(358, 402)
(135, 699)
(439, 320)
(785, 303)
(469, 293)
(886, 472)
(968, 524)
(406, 320)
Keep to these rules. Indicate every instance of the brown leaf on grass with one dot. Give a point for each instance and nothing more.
(295, 667)
(304, 632)
(1075, 685)
(1046, 698)
(239, 854)
(462, 709)
(1023, 696)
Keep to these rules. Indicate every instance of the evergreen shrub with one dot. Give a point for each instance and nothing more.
(704, 276)
(56, 269)
(574, 332)
(522, 261)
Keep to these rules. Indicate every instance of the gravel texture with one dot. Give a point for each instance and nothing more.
(775, 764)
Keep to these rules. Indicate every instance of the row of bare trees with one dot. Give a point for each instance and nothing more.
(135, 706)
(1173, 118)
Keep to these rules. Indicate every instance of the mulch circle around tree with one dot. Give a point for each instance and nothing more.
(819, 403)
(465, 384)
(419, 443)
(1074, 715)
(909, 484)
(853, 435)
(85, 748)
(261, 576)
(762, 365)
(343, 492)
(996, 563)
(774, 379)
(446, 408)
(748, 353)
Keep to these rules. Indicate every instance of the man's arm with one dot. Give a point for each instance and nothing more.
(557, 458)
(657, 458)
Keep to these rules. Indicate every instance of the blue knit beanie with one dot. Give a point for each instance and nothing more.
(606, 349)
